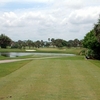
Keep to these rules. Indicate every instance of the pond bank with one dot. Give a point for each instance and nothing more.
(14, 60)
(17, 54)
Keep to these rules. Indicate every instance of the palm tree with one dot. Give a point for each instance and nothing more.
(29, 43)
(38, 44)
(42, 43)
(53, 42)
(49, 39)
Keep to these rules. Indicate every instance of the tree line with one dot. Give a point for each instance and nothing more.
(92, 42)
(6, 41)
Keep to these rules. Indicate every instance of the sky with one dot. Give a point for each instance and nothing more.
(43, 19)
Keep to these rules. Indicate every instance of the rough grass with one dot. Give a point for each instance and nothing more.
(8, 68)
(53, 79)
(72, 50)
(2, 57)
(11, 50)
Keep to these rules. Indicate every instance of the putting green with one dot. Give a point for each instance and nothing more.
(52, 79)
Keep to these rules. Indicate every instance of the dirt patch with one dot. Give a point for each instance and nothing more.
(1, 98)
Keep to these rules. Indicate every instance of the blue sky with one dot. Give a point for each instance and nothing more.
(12, 6)
(43, 19)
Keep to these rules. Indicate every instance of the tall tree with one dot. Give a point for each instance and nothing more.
(53, 42)
(70, 43)
(20, 42)
(24, 44)
(76, 42)
(38, 44)
(49, 39)
(4, 41)
(92, 44)
(29, 43)
(46, 44)
(42, 43)
(97, 30)
(60, 43)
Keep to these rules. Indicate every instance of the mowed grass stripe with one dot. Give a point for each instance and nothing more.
(83, 80)
(52, 79)
(19, 80)
(92, 77)
(7, 68)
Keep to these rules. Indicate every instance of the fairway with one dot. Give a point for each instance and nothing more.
(52, 79)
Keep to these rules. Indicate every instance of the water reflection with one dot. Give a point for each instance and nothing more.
(5, 54)
(16, 54)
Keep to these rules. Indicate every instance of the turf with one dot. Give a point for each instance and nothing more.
(53, 79)
(96, 62)
(72, 50)
(8, 68)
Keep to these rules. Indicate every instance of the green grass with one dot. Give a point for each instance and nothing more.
(12, 50)
(2, 57)
(72, 50)
(96, 62)
(72, 78)
(76, 57)
(8, 68)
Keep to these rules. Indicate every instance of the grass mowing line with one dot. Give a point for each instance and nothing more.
(14, 60)
(52, 79)
(92, 73)
(22, 80)
(96, 62)
(7, 68)
(43, 83)
(81, 81)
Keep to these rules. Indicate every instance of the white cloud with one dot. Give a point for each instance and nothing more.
(63, 19)
(84, 16)
(68, 3)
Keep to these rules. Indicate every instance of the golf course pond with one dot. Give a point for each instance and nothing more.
(17, 54)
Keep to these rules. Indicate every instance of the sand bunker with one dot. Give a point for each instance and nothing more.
(30, 50)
